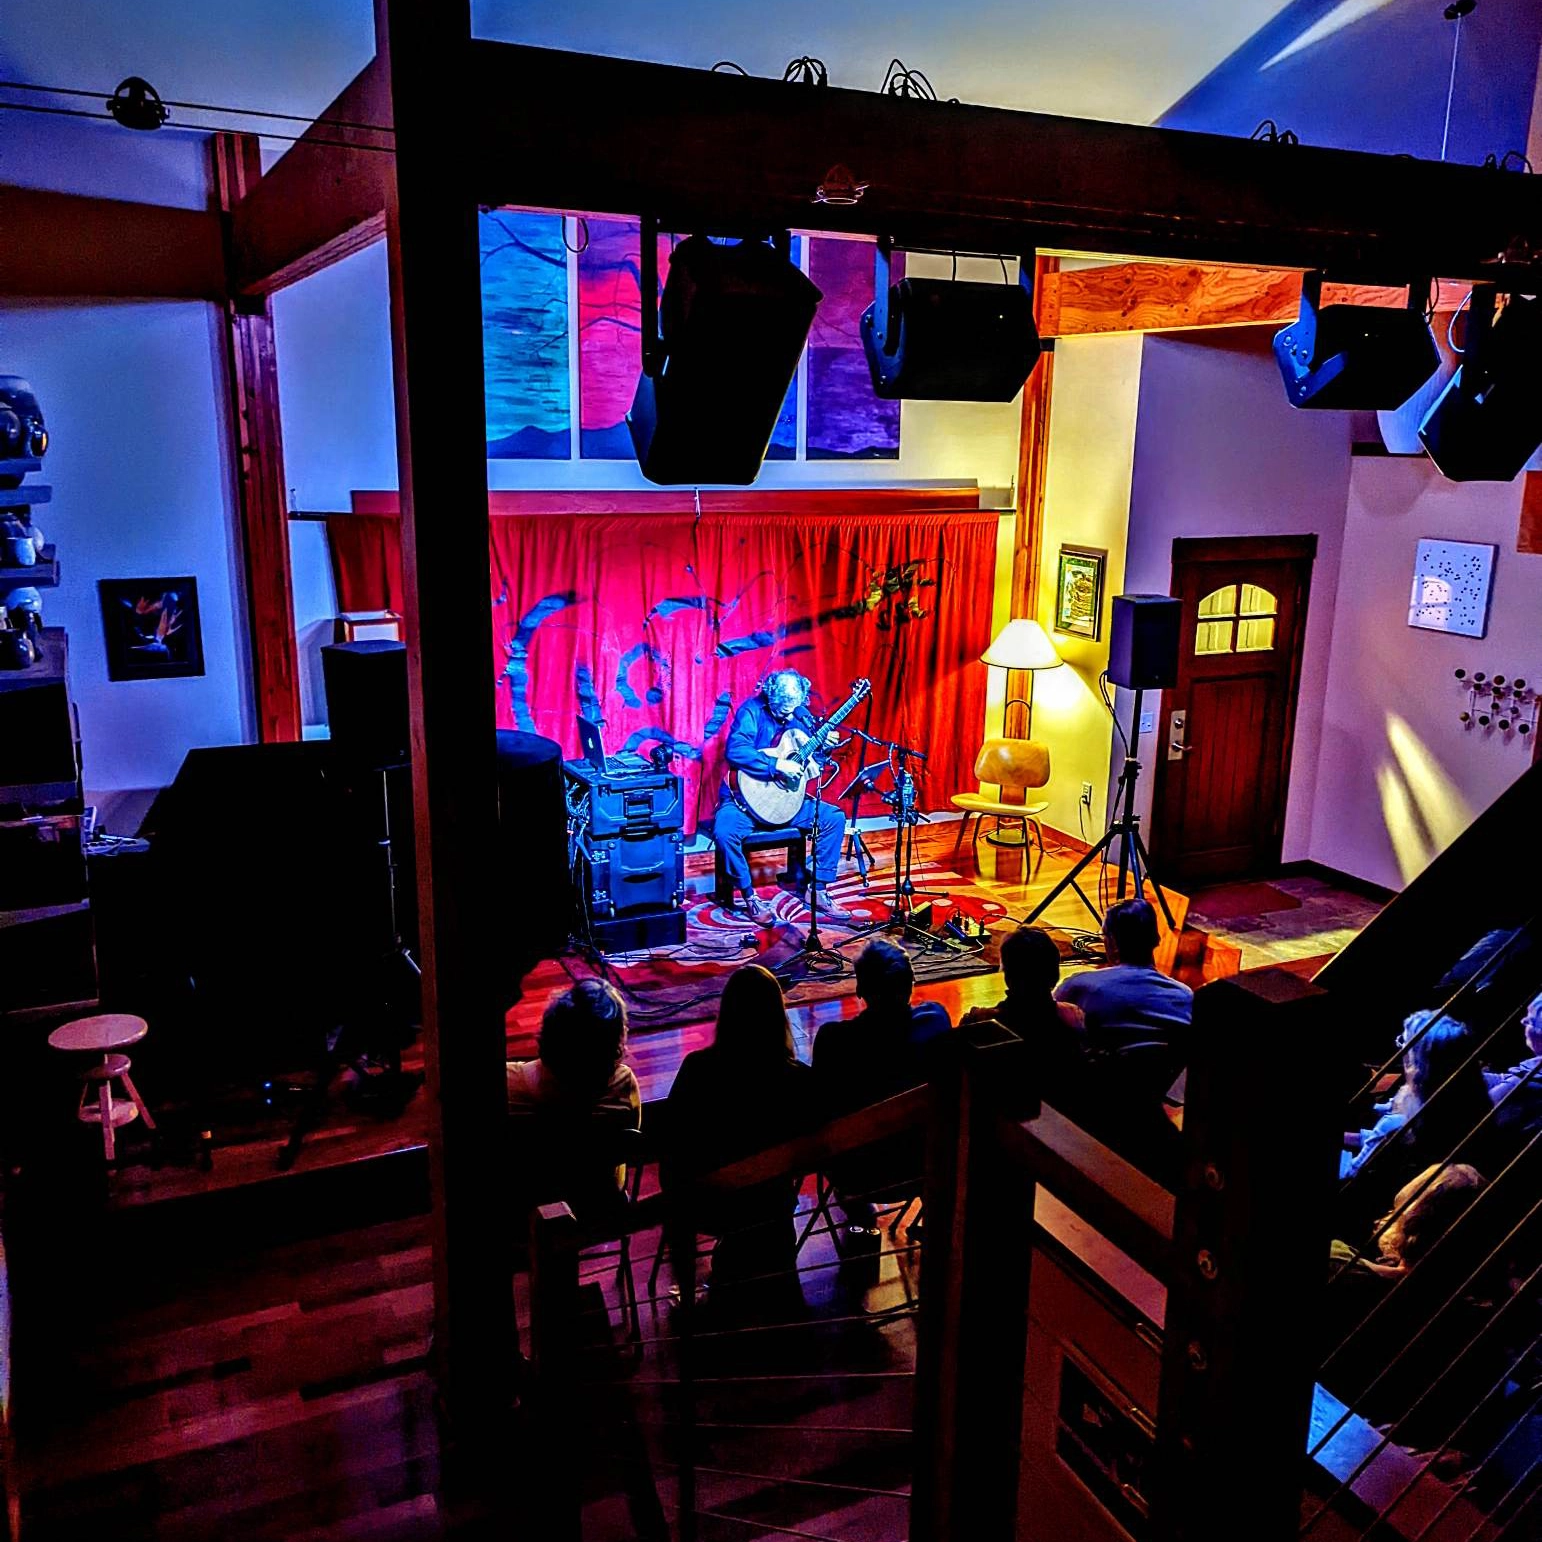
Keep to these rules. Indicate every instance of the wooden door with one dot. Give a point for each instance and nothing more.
(1224, 735)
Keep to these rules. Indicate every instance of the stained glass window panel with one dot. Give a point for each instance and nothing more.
(525, 336)
(846, 420)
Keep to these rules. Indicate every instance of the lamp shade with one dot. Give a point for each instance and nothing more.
(1022, 645)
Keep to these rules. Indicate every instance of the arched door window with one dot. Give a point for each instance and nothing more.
(1236, 618)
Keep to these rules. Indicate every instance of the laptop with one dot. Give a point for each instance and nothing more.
(592, 746)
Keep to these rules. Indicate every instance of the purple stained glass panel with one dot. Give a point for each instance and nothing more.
(846, 420)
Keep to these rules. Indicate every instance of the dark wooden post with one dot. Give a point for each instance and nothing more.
(553, 1326)
(972, 1332)
(257, 441)
(436, 333)
(1250, 1254)
(1032, 469)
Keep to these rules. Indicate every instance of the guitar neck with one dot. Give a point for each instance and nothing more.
(817, 738)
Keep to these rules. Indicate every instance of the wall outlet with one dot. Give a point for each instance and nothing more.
(1087, 794)
(1147, 722)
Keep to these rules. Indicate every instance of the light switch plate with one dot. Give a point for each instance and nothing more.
(1147, 722)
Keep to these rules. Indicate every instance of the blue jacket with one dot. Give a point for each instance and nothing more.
(754, 729)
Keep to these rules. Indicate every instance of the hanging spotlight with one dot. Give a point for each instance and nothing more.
(136, 104)
(933, 339)
(1355, 357)
(718, 355)
(1487, 423)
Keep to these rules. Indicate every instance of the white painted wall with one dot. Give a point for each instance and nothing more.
(139, 464)
(1399, 776)
(1218, 452)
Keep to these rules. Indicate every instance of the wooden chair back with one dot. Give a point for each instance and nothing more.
(1017, 763)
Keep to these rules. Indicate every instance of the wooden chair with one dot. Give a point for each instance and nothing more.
(1010, 764)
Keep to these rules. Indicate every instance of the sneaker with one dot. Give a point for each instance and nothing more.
(757, 909)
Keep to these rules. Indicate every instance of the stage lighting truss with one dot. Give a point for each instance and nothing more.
(932, 339)
(1356, 357)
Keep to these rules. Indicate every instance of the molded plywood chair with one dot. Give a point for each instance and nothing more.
(1011, 764)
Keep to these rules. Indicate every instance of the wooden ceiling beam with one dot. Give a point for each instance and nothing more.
(714, 150)
(325, 198)
(62, 246)
(1177, 297)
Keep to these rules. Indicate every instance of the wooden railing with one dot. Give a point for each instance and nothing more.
(1239, 1249)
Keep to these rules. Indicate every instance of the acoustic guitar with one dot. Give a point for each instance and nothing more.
(775, 799)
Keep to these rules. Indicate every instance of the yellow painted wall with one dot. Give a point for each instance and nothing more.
(1087, 502)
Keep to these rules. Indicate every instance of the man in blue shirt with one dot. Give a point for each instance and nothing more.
(757, 725)
(1129, 1001)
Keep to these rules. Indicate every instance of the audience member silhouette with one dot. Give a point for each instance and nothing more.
(882, 1051)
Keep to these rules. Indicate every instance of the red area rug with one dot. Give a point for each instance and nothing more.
(677, 985)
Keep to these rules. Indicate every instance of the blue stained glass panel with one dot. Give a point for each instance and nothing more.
(525, 335)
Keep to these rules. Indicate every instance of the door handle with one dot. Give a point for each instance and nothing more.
(1177, 746)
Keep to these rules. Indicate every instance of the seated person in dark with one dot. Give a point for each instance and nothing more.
(1415, 1127)
(1421, 1391)
(1129, 1000)
(575, 1097)
(744, 1093)
(1137, 1021)
(1051, 1030)
(882, 1051)
(1517, 1092)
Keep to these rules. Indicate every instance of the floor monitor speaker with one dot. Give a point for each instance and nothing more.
(1143, 641)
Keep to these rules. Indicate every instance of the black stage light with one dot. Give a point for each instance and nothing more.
(1487, 423)
(1355, 357)
(734, 319)
(933, 339)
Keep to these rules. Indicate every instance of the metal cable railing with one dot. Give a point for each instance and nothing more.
(1446, 1363)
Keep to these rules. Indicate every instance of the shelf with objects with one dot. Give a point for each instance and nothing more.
(47, 946)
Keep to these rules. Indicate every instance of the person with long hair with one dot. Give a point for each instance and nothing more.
(743, 1093)
(573, 1100)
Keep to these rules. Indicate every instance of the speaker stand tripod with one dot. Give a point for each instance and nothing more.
(1134, 859)
(359, 1044)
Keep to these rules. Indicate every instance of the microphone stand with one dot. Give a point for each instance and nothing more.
(856, 848)
(817, 958)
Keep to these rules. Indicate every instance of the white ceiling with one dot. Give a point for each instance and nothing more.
(1117, 59)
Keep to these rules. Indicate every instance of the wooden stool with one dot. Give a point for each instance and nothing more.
(794, 842)
(104, 1035)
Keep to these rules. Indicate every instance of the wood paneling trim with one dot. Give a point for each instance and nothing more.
(326, 196)
(257, 439)
(1174, 297)
(61, 246)
(837, 501)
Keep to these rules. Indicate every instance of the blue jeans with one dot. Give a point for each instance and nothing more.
(731, 826)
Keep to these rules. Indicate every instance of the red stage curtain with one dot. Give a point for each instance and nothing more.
(661, 623)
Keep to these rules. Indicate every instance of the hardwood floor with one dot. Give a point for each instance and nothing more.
(245, 1354)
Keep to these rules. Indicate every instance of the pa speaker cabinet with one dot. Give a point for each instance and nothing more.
(951, 340)
(366, 684)
(1143, 641)
(733, 321)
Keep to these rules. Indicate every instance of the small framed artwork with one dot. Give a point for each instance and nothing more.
(151, 628)
(1451, 584)
(1079, 591)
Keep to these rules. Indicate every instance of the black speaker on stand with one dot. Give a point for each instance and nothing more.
(1142, 656)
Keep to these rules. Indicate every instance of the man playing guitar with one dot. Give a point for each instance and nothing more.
(757, 728)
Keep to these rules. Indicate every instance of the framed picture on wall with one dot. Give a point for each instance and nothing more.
(1451, 585)
(151, 628)
(1079, 591)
